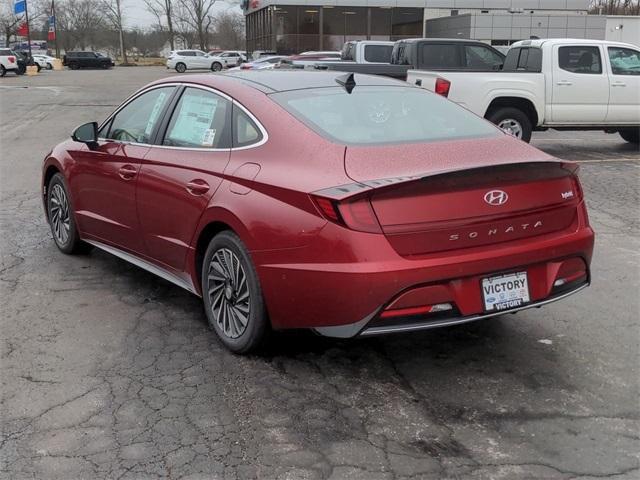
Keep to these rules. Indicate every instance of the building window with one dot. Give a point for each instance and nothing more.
(406, 23)
(454, 13)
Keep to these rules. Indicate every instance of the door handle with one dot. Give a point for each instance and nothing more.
(127, 172)
(619, 84)
(197, 187)
(564, 83)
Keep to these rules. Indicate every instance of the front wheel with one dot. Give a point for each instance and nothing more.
(513, 121)
(232, 294)
(49, 66)
(61, 219)
(216, 66)
(181, 68)
(631, 135)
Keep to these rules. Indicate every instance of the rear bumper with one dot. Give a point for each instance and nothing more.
(346, 279)
(366, 329)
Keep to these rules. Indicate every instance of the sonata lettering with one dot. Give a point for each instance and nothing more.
(495, 231)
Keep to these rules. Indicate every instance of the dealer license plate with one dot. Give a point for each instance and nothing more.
(505, 291)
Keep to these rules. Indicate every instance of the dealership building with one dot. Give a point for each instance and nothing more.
(291, 26)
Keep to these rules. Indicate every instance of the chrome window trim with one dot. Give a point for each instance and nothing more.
(128, 100)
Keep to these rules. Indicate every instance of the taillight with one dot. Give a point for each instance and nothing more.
(442, 87)
(245, 66)
(355, 214)
(12, 59)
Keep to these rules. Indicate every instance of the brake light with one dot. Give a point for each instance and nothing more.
(442, 87)
(355, 214)
(12, 59)
(245, 66)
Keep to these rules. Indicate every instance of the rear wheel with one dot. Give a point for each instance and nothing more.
(3, 71)
(216, 66)
(232, 294)
(181, 67)
(61, 218)
(631, 135)
(74, 66)
(513, 121)
(49, 66)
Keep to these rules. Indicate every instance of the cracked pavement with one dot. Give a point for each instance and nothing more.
(109, 372)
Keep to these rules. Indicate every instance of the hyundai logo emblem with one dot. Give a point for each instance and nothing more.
(496, 197)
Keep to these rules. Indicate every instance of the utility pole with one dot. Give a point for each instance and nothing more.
(121, 28)
(26, 19)
(55, 27)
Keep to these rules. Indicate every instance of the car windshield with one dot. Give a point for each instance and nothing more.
(380, 115)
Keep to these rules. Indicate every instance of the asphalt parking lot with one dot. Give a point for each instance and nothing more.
(109, 372)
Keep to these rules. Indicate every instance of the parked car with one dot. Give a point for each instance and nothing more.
(22, 58)
(556, 83)
(352, 205)
(45, 61)
(183, 60)
(367, 51)
(227, 59)
(8, 62)
(439, 54)
(76, 60)
(263, 63)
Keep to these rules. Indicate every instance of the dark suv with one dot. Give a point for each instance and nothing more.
(75, 60)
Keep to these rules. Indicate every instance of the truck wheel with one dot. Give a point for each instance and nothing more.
(631, 135)
(513, 121)
(3, 71)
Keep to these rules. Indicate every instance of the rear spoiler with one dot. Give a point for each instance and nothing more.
(348, 190)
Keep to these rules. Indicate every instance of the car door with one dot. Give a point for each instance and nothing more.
(580, 89)
(202, 60)
(624, 96)
(103, 180)
(182, 172)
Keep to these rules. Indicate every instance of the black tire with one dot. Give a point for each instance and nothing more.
(74, 66)
(3, 71)
(521, 126)
(72, 244)
(216, 66)
(39, 67)
(21, 70)
(225, 302)
(49, 66)
(631, 135)
(181, 67)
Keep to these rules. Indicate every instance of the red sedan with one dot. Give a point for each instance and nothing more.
(350, 205)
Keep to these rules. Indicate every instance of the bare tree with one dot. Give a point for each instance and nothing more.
(615, 7)
(79, 21)
(229, 30)
(196, 15)
(9, 22)
(113, 10)
(163, 9)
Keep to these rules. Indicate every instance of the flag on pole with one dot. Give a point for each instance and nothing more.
(23, 30)
(19, 6)
(51, 35)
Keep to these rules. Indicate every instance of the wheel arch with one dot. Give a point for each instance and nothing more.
(213, 222)
(521, 103)
(50, 169)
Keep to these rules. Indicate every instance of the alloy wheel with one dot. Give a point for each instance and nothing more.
(59, 214)
(512, 127)
(229, 293)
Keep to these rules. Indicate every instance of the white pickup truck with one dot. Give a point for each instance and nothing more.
(562, 84)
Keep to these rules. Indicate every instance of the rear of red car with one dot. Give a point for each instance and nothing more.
(431, 234)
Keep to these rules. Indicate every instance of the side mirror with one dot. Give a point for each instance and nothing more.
(87, 133)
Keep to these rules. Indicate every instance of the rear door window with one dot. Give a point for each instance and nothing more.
(378, 53)
(582, 59)
(446, 56)
(245, 131)
(201, 119)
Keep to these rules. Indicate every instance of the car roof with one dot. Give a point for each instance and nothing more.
(538, 42)
(441, 40)
(272, 81)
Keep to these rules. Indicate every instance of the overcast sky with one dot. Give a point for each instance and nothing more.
(136, 14)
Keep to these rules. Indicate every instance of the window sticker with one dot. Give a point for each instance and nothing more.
(208, 137)
(194, 120)
(154, 114)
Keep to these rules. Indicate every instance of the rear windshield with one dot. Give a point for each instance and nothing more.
(382, 115)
